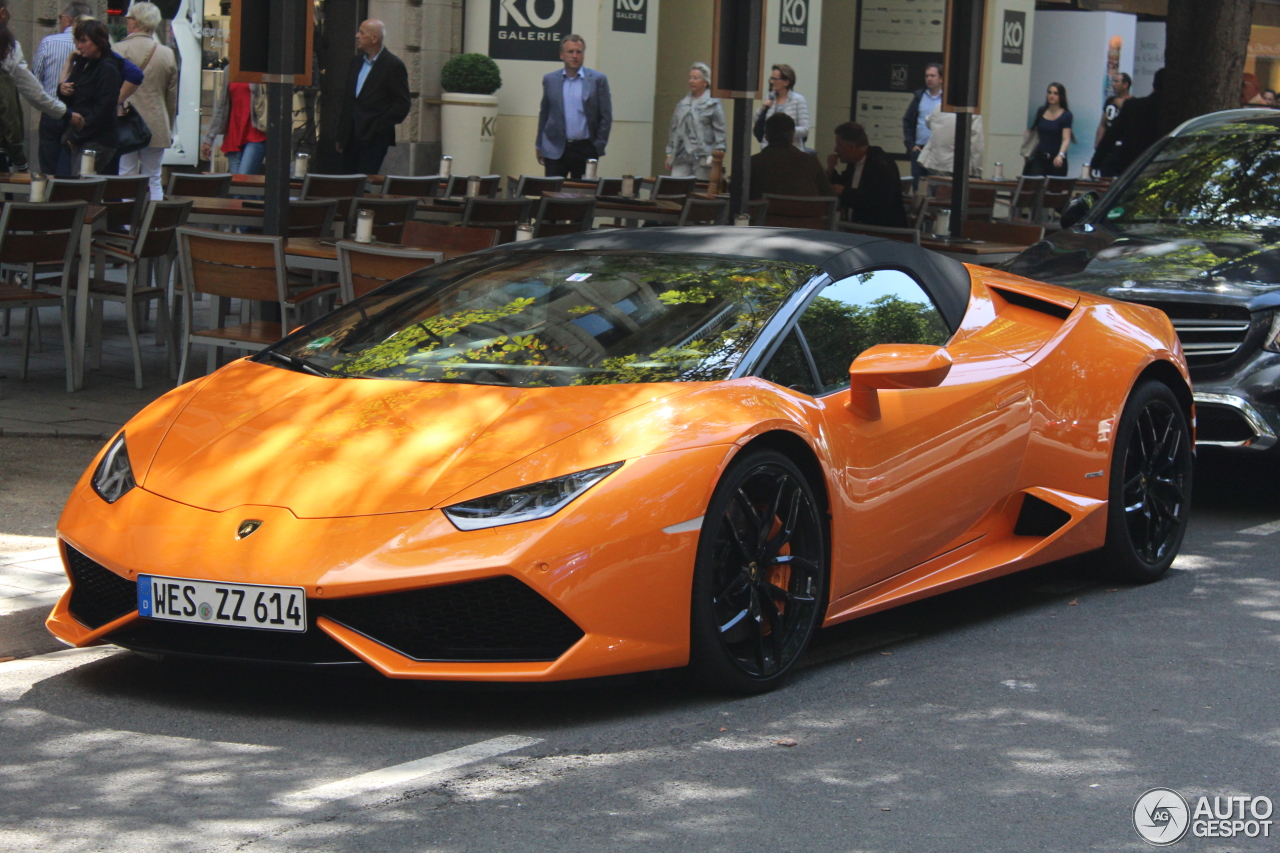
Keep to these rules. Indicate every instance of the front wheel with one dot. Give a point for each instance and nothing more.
(1150, 492)
(760, 578)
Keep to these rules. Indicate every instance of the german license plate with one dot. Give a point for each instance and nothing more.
(232, 605)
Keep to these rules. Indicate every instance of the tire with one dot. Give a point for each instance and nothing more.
(759, 582)
(1150, 490)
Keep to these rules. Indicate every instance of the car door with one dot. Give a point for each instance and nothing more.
(915, 481)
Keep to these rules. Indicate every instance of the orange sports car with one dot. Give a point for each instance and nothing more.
(636, 450)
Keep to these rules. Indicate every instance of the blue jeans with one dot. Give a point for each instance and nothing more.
(248, 160)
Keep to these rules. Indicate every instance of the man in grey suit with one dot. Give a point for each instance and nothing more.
(576, 113)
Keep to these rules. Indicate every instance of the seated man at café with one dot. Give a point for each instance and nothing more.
(870, 187)
(783, 169)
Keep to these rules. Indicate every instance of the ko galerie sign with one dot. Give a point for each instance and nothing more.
(793, 22)
(528, 29)
(630, 16)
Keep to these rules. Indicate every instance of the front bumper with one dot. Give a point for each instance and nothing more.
(617, 583)
(1240, 410)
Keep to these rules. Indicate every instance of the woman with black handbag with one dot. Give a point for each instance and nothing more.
(149, 112)
(91, 92)
(1052, 129)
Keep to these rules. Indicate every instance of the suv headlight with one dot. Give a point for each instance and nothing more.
(114, 476)
(526, 503)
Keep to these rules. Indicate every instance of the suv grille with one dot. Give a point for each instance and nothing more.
(497, 619)
(98, 595)
(1211, 335)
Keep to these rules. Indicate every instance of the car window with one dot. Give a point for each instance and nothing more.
(789, 367)
(876, 307)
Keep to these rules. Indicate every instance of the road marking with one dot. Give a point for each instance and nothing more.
(1263, 529)
(399, 774)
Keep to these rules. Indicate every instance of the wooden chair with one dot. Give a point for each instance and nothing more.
(453, 240)
(389, 217)
(704, 211)
(504, 214)
(1057, 192)
(489, 186)
(42, 233)
(196, 185)
(531, 185)
(90, 190)
(675, 189)
(609, 186)
(332, 186)
(938, 195)
(363, 268)
(153, 244)
(312, 218)
(794, 211)
(420, 186)
(1002, 232)
(232, 266)
(1026, 198)
(902, 235)
(564, 216)
(126, 198)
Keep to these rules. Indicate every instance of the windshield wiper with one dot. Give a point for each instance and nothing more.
(303, 366)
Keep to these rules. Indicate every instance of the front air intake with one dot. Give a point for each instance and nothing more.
(98, 595)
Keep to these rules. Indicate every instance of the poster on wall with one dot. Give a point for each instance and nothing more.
(895, 40)
(630, 16)
(793, 22)
(529, 29)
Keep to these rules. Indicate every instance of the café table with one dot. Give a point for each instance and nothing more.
(981, 252)
(312, 253)
(224, 211)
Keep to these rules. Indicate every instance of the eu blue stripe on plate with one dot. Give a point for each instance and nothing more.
(144, 595)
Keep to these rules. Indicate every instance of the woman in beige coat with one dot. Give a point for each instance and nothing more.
(157, 98)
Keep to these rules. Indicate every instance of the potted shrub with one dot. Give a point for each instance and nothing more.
(469, 116)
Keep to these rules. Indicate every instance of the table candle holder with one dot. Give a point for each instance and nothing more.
(39, 183)
(524, 232)
(997, 173)
(88, 159)
(473, 186)
(446, 166)
(364, 226)
(300, 164)
(592, 166)
(742, 219)
(628, 186)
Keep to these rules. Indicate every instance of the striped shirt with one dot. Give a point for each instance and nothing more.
(50, 56)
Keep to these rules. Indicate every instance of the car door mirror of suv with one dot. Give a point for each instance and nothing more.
(893, 366)
(1078, 208)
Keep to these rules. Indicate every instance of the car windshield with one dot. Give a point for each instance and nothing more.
(552, 318)
(1227, 177)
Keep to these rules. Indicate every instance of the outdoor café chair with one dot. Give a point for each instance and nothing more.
(312, 217)
(422, 186)
(564, 216)
(153, 246)
(534, 186)
(704, 211)
(794, 211)
(453, 240)
(489, 186)
(42, 233)
(197, 185)
(503, 214)
(389, 217)
(363, 268)
(669, 187)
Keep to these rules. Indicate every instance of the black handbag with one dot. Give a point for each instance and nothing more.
(132, 133)
(758, 128)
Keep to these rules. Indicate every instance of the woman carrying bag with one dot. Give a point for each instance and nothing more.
(1046, 142)
(91, 92)
(697, 128)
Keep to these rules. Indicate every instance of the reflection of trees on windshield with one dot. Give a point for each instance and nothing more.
(837, 331)
(1226, 178)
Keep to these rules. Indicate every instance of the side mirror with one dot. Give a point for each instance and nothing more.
(893, 366)
(1078, 208)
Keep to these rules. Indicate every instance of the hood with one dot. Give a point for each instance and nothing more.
(1186, 262)
(321, 447)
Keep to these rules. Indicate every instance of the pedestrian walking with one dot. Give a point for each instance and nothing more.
(576, 114)
(375, 100)
(1137, 127)
(50, 57)
(156, 100)
(1052, 126)
(915, 122)
(783, 98)
(782, 168)
(240, 118)
(870, 187)
(13, 65)
(91, 93)
(939, 154)
(697, 128)
(1105, 155)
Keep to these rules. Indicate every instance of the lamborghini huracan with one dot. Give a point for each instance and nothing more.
(645, 449)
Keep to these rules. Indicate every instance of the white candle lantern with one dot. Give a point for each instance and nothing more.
(87, 161)
(742, 219)
(38, 184)
(300, 164)
(364, 226)
(524, 232)
(473, 186)
(592, 166)
(998, 173)
(628, 185)
(446, 166)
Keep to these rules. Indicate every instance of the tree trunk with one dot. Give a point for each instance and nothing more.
(1205, 46)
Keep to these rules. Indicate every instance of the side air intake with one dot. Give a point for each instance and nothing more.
(1039, 518)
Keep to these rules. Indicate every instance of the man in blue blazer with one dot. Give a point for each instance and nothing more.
(576, 113)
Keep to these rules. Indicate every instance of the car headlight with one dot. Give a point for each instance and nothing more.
(527, 502)
(114, 476)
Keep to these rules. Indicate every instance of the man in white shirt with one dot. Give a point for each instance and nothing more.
(46, 65)
(576, 113)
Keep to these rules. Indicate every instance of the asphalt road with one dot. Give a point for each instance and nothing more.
(1025, 714)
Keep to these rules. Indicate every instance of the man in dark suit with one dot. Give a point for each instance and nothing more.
(375, 100)
(871, 186)
(782, 168)
(576, 113)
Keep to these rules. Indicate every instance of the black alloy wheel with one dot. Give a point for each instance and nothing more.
(1150, 492)
(759, 583)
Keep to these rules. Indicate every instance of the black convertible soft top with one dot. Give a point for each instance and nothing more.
(838, 254)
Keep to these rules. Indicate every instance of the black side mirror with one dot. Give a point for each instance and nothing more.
(1078, 208)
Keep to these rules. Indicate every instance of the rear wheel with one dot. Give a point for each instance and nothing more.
(1150, 495)
(759, 582)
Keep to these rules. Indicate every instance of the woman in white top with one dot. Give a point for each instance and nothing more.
(783, 98)
(697, 128)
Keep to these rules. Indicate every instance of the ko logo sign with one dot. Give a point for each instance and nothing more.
(630, 16)
(1014, 36)
(529, 29)
(793, 23)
